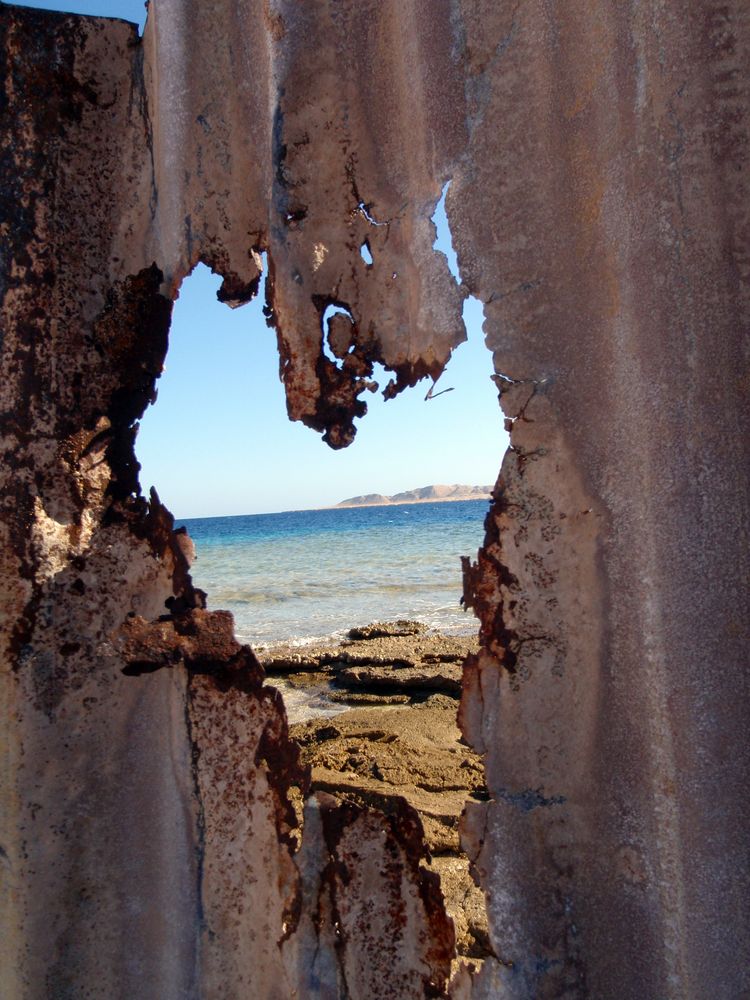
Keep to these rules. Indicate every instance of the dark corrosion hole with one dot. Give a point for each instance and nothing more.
(341, 569)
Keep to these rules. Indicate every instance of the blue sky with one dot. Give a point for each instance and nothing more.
(218, 440)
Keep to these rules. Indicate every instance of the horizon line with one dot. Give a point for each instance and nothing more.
(338, 506)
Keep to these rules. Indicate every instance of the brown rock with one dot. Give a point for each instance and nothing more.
(399, 678)
(387, 630)
(465, 904)
(357, 698)
(401, 659)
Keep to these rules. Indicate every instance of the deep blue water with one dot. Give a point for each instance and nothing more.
(310, 574)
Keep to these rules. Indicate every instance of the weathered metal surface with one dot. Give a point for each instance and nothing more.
(371, 920)
(598, 155)
(602, 216)
(98, 815)
(314, 154)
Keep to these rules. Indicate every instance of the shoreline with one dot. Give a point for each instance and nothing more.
(380, 664)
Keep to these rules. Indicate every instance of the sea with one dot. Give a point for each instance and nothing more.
(303, 576)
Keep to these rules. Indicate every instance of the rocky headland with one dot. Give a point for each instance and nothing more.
(394, 690)
(424, 494)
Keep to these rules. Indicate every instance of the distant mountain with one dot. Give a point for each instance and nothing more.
(368, 500)
(425, 494)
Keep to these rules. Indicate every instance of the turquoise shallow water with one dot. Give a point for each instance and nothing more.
(306, 575)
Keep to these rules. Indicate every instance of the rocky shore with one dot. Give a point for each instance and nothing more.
(394, 689)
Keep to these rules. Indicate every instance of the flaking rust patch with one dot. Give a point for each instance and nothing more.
(244, 765)
(375, 921)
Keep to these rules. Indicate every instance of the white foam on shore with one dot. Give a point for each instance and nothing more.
(435, 623)
(299, 641)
